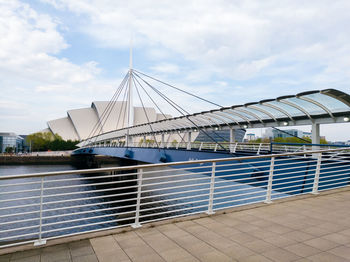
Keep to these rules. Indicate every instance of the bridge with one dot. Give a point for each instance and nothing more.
(184, 177)
(173, 138)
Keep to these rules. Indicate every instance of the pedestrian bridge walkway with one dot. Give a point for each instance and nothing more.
(304, 228)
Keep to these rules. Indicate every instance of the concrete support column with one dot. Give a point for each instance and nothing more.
(189, 141)
(232, 138)
(315, 135)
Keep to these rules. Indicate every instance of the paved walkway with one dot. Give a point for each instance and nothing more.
(310, 229)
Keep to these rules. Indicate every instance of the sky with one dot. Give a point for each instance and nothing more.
(57, 55)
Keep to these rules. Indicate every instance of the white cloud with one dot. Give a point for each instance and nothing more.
(237, 40)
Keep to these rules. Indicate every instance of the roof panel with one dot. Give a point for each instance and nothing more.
(298, 108)
(309, 107)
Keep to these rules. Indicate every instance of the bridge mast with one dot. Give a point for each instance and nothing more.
(130, 106)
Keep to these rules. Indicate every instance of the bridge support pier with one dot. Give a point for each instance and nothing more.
(315, 135)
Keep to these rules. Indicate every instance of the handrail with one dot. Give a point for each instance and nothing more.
(71, 205)
(107, 169)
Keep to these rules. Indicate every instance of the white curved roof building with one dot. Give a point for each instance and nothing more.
(79, 123)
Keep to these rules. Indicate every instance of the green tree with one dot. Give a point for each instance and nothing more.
(9, 150)
(47, 141)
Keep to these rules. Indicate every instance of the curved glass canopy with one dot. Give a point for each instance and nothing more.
(321, 106)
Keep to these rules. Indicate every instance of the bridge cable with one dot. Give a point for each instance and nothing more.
(218, 135)
(96, 126)
(144, 110)
(179, 107)
(206, 100)
(109, 108)
(178, 132)
(121, 108)
(112, 107)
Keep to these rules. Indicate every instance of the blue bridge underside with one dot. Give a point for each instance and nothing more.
(252, 171)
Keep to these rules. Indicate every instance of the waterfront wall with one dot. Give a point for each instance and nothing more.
(49, 160)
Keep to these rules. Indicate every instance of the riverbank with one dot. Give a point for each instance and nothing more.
(45, 160)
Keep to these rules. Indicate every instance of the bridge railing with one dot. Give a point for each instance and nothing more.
(257, 148)
(38, 207)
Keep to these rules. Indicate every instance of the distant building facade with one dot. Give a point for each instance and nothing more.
(11, 140)
(251, 137)
(272, 133)
(219, 135)
(79, 123)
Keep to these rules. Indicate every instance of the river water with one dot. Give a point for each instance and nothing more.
(99, 201)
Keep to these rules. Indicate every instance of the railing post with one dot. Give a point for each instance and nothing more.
(211, 190)
(234, 148)
(41, 241)
(317, 174)
(216, 147)
(200, 147)
(258, 152)
(137, 223)
(269, 183)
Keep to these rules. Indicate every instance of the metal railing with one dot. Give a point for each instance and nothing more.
(43, 206)
(257, 148)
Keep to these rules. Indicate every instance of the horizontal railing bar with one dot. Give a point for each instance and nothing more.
(173, 216)
(23, 235)
(236, 205)
(177, 175)
(286, 178)
(172, 199)
(88, 212)
(334, 187)
(85, 218)
(239, 200)
(19, 221)
(173, 205)
(17, 243)
(20, 198)
(280, 188)
(342, 174)
(21, 184)
(88, 205)
(86, 225)
(96, 170)
(290, 191)
(258, 189)
(20, 206)
(19, 228)
(23, 213)
(331, 180)
(176, 181)
(245, 194)
(239, 184)
(20, 191)
(175, 193)
(171, 211)
(93, 191)
(167, 188)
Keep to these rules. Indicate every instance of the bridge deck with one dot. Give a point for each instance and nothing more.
(307, 229)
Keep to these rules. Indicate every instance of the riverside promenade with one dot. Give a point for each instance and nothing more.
(305, 228)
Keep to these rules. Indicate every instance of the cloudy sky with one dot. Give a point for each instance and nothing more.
(57, 55)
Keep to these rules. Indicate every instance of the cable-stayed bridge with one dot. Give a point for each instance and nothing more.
(173, 138)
